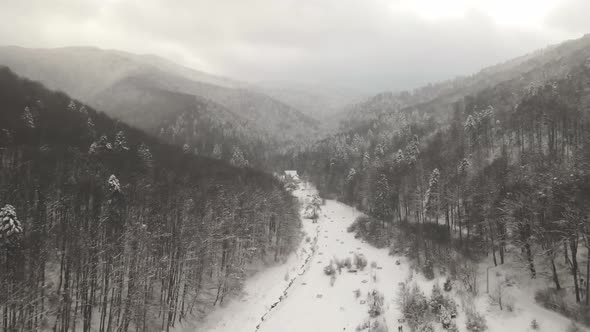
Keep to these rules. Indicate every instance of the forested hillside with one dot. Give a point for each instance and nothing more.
(437, 100)
(506, 174)
(158, 96)
(104, 228)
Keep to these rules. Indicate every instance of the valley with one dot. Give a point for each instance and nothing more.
(244, 176)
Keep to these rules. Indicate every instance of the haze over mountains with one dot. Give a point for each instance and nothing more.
(153, 93)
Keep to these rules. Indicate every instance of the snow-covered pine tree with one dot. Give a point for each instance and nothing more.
(120, 144)
(114, 184)
(27, 118)
(10, 226)
(72, 106)
(100, 146)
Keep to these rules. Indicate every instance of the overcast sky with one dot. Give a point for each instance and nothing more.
(371, 45)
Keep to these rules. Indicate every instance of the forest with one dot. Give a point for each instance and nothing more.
(503, 175)
(105, 228)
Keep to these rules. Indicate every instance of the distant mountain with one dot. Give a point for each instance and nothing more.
(153, 94)
(319, 102)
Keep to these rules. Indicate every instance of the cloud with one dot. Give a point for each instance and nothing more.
(369, 45)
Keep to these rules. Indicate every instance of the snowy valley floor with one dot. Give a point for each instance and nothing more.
(298, 296)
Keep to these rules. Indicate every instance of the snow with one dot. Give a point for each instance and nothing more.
(306, 300)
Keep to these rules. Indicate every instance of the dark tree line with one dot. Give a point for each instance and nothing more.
(104, 228)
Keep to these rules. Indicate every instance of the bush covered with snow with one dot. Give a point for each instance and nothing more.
(448, 285)
(439, 302)
(370, 229)
(476, 322)
(329, 269)
(375, 300)
(428, 269)
(10, 226)
(360, 261)
(414, 305)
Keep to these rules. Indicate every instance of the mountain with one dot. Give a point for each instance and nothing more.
(152, 93)
(318, 102)
(96, 214)
(530, 70)
(489, 171)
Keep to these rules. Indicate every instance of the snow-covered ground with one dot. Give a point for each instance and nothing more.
(298, 295)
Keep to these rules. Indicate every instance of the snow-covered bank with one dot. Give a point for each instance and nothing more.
(264, 289)
(299, 296)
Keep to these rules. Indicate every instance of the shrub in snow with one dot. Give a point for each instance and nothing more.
(357, 293)
(476, 322)
(339, 263)
(428, 269)
(329, 269)
(510, 307)
(534, 324)
(414, 305)
(353, 227)
(348, 262)
(443, 307)
(360, 261)
(437, 299)
(27, 118)
(10, 226)
(375, 301)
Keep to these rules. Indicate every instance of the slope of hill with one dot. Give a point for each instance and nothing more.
(103, 78)
(498, 176)
(105, 228)
(526, 71)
